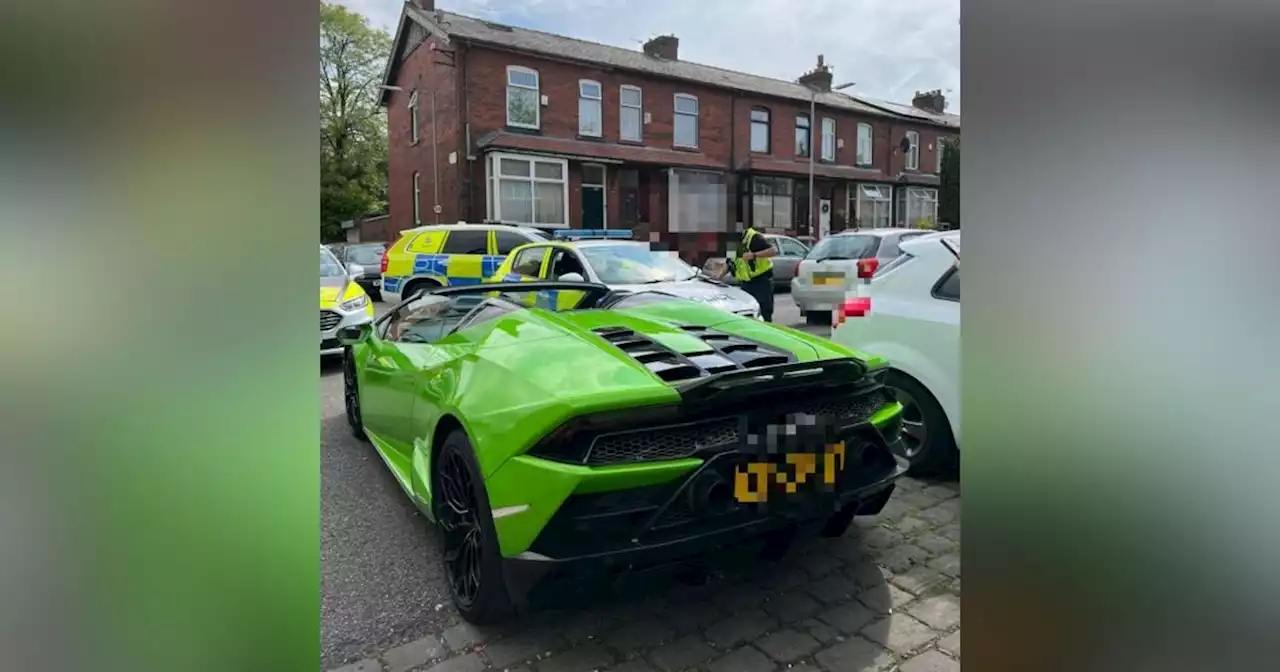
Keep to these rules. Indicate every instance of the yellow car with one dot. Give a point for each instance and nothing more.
(448, 255)
(342, 301)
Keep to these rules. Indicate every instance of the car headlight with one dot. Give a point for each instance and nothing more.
(356, 303)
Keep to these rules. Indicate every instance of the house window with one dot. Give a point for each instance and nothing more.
(828, 139)
(630, 113)
(529, 190)
(941, 146)
(590, 114)
(913, 151)
(416, 192)
(686, 120)
(803, 135)
(917, 207)
(871, 205)
(864, 145)
(760, 130)
(524, 109)
(771, 204)
(413, 118)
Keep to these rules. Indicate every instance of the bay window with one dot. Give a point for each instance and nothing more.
(529, 190)
(771, 203)
(871, 205)
(917, 207)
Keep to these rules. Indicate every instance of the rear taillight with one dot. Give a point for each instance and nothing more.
(384, 261)
(867, 268)
(855, 306)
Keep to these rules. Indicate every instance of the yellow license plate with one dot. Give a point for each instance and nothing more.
(828, 278)
(753, 481)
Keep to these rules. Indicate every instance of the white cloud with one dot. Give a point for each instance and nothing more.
(891, 49)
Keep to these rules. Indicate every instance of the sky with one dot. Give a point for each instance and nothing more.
(889, 48)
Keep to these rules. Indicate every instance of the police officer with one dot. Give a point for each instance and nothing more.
(753, 270)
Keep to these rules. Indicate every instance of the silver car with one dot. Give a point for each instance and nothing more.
(629, 266)
(831, 269)
(790, 253)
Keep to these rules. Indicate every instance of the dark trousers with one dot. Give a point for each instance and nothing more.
(761, 289)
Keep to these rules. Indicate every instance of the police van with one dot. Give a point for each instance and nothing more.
(449, 255)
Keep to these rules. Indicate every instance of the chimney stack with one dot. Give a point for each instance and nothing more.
(426, 5)
(930, 101)
(818, 78)
(666, 47)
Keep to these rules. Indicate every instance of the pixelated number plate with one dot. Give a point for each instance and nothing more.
(753, 481)
(828, 278)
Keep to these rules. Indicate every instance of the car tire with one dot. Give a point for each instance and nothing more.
(927, 440)
(416, 287)
(817, 317)
(351, 395)
(470, 552)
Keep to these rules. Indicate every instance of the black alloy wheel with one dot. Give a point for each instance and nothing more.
(459, 521)
(926, 433)
(351, 395)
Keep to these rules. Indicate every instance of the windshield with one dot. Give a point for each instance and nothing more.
(365, 255)
(844, 247)
(329, 266)
(634, 264)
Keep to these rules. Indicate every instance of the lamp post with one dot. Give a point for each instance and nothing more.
(813, 121)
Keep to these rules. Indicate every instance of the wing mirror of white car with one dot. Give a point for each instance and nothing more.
(355, 271)
(572, 277)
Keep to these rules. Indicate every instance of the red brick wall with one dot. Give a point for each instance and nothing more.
(782, 131)
(425, 71)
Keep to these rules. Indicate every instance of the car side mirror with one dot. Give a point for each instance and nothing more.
(355, 333)
(572, 277)
(355, 271)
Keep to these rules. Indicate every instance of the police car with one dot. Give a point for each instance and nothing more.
(342, 301)
(610, 258)
(446, 255)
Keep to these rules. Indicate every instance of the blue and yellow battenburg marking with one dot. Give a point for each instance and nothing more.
(454, 270)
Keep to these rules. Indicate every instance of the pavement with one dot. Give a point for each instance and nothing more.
(885, 596)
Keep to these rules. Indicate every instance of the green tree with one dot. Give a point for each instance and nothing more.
(353, 129)
(949, 191)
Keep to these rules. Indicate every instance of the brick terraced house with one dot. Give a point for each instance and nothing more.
(488, 121)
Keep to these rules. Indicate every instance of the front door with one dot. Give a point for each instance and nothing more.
(593, 196)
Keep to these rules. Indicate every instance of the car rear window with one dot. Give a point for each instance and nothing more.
(365, 255)
(845, 247)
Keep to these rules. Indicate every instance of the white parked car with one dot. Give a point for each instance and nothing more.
(838, 262)
(909, 313)
(625, 265)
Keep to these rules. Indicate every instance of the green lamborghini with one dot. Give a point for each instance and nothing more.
(623, 431)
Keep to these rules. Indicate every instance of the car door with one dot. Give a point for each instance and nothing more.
(386, 388)
(504, 241)
(562, 261)
(939, 339)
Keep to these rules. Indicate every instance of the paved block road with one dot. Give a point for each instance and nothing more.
(886, 595)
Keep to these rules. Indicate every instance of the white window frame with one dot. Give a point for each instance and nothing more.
(937, 152)
(413, 118)
(768, 129)
(623, 107)
(676, 113)
(867, 148)
(926, 194)
(494, 169)
(537, 96)
(598, 100)
(884, 196)
(912, 160)
(417, 196)
(828, 139)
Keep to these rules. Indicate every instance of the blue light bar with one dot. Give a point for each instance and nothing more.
(589, 234)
